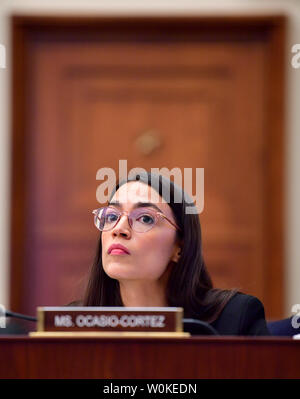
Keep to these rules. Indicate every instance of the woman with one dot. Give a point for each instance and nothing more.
(150, 254)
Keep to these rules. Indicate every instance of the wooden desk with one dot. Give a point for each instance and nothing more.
(194, 357)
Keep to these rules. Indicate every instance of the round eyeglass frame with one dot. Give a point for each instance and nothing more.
(157, 215)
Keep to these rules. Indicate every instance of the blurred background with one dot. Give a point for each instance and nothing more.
(174, 84)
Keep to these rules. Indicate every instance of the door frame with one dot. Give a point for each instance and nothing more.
(273, 29)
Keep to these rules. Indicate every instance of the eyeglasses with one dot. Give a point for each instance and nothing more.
(140, 219)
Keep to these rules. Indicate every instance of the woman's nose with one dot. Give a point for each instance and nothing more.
(122, 227)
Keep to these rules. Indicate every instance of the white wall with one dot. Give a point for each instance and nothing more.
(165, 7)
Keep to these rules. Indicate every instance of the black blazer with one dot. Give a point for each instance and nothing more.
(243, 315)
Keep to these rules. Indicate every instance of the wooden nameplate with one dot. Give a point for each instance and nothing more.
(117, 322)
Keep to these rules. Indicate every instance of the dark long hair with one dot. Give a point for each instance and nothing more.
(189, 284)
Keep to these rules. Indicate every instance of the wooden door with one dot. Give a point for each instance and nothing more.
(87, 91)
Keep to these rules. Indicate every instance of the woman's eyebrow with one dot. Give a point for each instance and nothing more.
(137, 205)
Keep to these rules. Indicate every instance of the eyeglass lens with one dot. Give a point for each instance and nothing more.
(140, 220)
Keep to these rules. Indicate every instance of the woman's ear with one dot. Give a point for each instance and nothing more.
(177, 253)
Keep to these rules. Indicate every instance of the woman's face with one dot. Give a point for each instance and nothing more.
(150, 252)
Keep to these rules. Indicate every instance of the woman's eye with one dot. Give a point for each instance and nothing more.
(112, 217)
(146, 219)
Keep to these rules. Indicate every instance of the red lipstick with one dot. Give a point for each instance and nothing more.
(118, 249)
